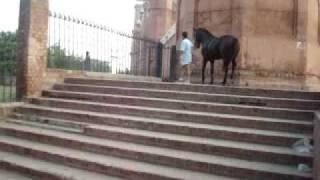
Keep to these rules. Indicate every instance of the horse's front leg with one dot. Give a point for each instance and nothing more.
(212, 72)
(203, 70)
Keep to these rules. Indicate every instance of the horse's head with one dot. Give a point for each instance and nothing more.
(201, 35)
(197, 36)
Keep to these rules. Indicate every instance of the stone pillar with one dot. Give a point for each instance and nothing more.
(32, 51)
(186, 19)
(312, 46)
(159, 18)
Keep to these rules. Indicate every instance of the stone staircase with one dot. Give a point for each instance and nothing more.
(88, 129)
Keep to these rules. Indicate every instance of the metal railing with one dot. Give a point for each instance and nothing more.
(77, 44)
(8, 47)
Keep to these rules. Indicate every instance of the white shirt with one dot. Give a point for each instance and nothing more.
(186, 48)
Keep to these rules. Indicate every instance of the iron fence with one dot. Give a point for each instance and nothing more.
(8, 47)
(77, 44)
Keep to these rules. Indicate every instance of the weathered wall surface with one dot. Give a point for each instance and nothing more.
(216, 16)
(160, 15)
(279, 39)
(269, 37)
(268, 31)
(185, 17)
(313, 43)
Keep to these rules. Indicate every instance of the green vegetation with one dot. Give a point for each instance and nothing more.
(58, 58)
(8, 53)
(7, 93)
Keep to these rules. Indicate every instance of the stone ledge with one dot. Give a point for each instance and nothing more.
(58, 75)
(317, 147)
(6, 109)
(264, 80)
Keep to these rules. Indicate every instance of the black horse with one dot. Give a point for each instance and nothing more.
(213, 48)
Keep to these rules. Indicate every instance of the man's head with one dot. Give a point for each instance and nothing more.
(185, 35)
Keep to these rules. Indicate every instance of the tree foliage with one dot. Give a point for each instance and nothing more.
(8, 51)
(58, 58)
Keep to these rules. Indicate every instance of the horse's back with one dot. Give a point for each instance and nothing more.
(229, 39)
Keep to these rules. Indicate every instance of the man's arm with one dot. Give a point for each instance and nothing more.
(181, 50)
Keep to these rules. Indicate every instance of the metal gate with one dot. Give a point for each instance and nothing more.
(77, 44)
(8, 53)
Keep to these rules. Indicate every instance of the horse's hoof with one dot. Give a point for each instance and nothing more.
(224, 83)
(211, 83)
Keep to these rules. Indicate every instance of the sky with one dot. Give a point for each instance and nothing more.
(9, 13)
(118, 14)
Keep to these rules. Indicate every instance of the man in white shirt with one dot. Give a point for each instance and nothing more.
(186, 57)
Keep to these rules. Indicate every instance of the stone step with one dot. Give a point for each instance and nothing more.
(199, 88)
(268, 154)
(166, 126)
(209, 131)
(234, 134)
(67, 126)
(175, 115)
(155, 124)
(45, 123)
(138, 170)
(9, 175)
(185, 105)
(44, 170)
(194, 96)
(49, 122)
(120, 167)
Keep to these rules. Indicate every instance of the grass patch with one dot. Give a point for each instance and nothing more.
(7, 94)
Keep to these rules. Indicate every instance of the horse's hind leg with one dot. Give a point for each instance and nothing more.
(234, 65)
(203, 70)
(234, 59)
(226, 69)
(212, 72)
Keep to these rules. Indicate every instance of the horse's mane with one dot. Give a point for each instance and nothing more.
(207, 32)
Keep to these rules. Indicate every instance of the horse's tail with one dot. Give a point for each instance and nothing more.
(234, 59)
(237, 49)
(235, 53)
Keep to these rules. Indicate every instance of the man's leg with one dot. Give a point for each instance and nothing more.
(182, 73)
(189, 69)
